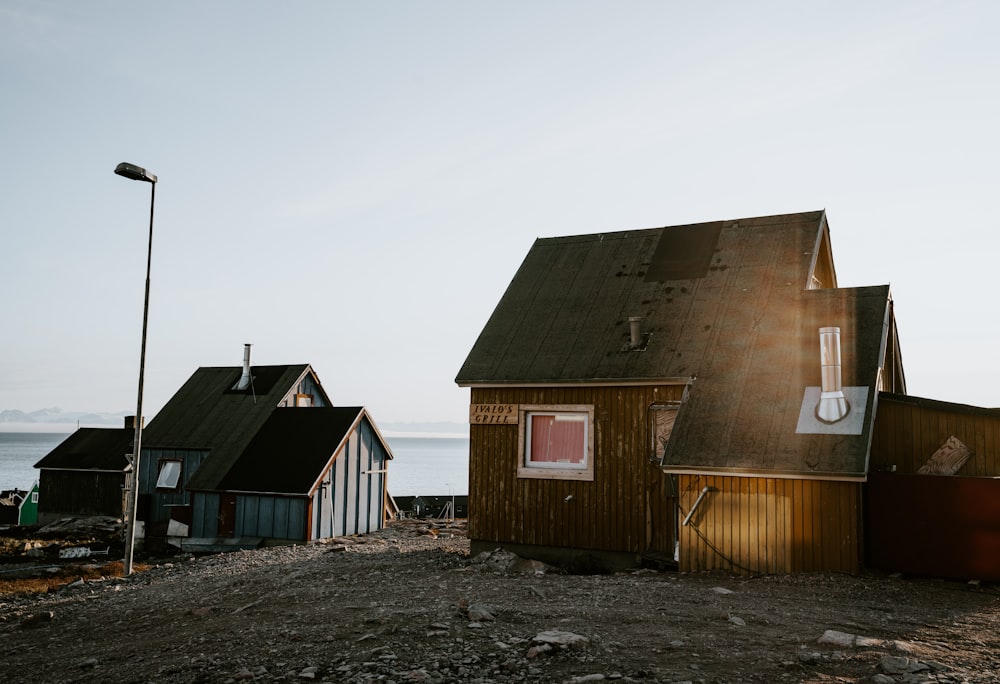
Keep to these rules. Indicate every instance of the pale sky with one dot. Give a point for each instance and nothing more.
(354, 184)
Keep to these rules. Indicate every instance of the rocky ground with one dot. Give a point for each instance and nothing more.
(409, 605)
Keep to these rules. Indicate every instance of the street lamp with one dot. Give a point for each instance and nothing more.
(134, 172)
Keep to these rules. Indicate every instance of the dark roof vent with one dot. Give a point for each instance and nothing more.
(637, 340)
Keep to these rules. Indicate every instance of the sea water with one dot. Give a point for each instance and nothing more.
(428, 466)
(19, 452)
(421, 466)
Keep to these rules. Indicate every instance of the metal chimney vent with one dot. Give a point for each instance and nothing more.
(245, 379)
(637, 340)
(832, 404)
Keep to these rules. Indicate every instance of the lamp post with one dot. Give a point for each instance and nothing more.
(134, 172)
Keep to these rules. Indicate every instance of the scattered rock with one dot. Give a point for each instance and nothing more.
(37, 619)
(527, 566)
(403, 606)
(541, 649)
(309, 673)
(555, 637)
(480, 613)
(832, 636)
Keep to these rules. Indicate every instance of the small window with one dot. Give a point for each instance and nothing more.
(34, 497)
(303, 400)
(556, 442)
(661, 424)
(170, 475)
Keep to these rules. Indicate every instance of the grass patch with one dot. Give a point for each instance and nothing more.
(56, 578)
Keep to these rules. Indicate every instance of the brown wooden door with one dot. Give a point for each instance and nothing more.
(227, 515)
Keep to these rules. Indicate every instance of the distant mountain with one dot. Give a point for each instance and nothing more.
(57, 418)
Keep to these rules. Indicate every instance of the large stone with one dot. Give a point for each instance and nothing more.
(479, 612)
(562, 639)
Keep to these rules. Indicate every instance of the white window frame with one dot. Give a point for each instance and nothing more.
(165, 478)
(555, 470)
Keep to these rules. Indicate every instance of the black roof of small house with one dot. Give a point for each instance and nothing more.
(91, 449)
(732, 307)
(208, 413)
(292, 449)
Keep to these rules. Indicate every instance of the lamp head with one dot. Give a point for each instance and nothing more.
(134, 172)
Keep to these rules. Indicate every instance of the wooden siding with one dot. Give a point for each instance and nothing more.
(204, 514)
(749, 525)
(271, 517)
(351, 495)
(908, 431)
(937, 526)
(934, 525)
(161, 501)
(626, 508)
(80, 492)
(307, 386)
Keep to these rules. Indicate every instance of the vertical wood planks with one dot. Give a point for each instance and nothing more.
(615, 512)
(768, 525)
(909, 430)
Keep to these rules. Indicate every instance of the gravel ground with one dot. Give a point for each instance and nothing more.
(409, 605)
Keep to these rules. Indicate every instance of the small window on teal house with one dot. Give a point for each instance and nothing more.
(170, 475)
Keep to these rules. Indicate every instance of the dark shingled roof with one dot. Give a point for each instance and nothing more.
(91, 449)
(302, 440)
(564, 317)
(742, 410)
(725, 304)
(206, 413)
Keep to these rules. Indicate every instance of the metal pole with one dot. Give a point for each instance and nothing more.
(133, 494)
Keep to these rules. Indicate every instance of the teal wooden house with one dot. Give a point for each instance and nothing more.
(242, 456)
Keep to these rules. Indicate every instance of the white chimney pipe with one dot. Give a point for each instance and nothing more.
(832, 404)
(635, 333)
(245, 378)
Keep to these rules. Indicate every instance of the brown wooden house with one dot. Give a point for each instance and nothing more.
(705, 391)
(933, 493)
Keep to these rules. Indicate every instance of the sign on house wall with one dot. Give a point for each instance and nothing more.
(493, 414)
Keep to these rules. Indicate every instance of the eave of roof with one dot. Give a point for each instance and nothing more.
(91, 449)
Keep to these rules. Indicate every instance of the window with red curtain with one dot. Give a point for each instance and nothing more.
(559, 439)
